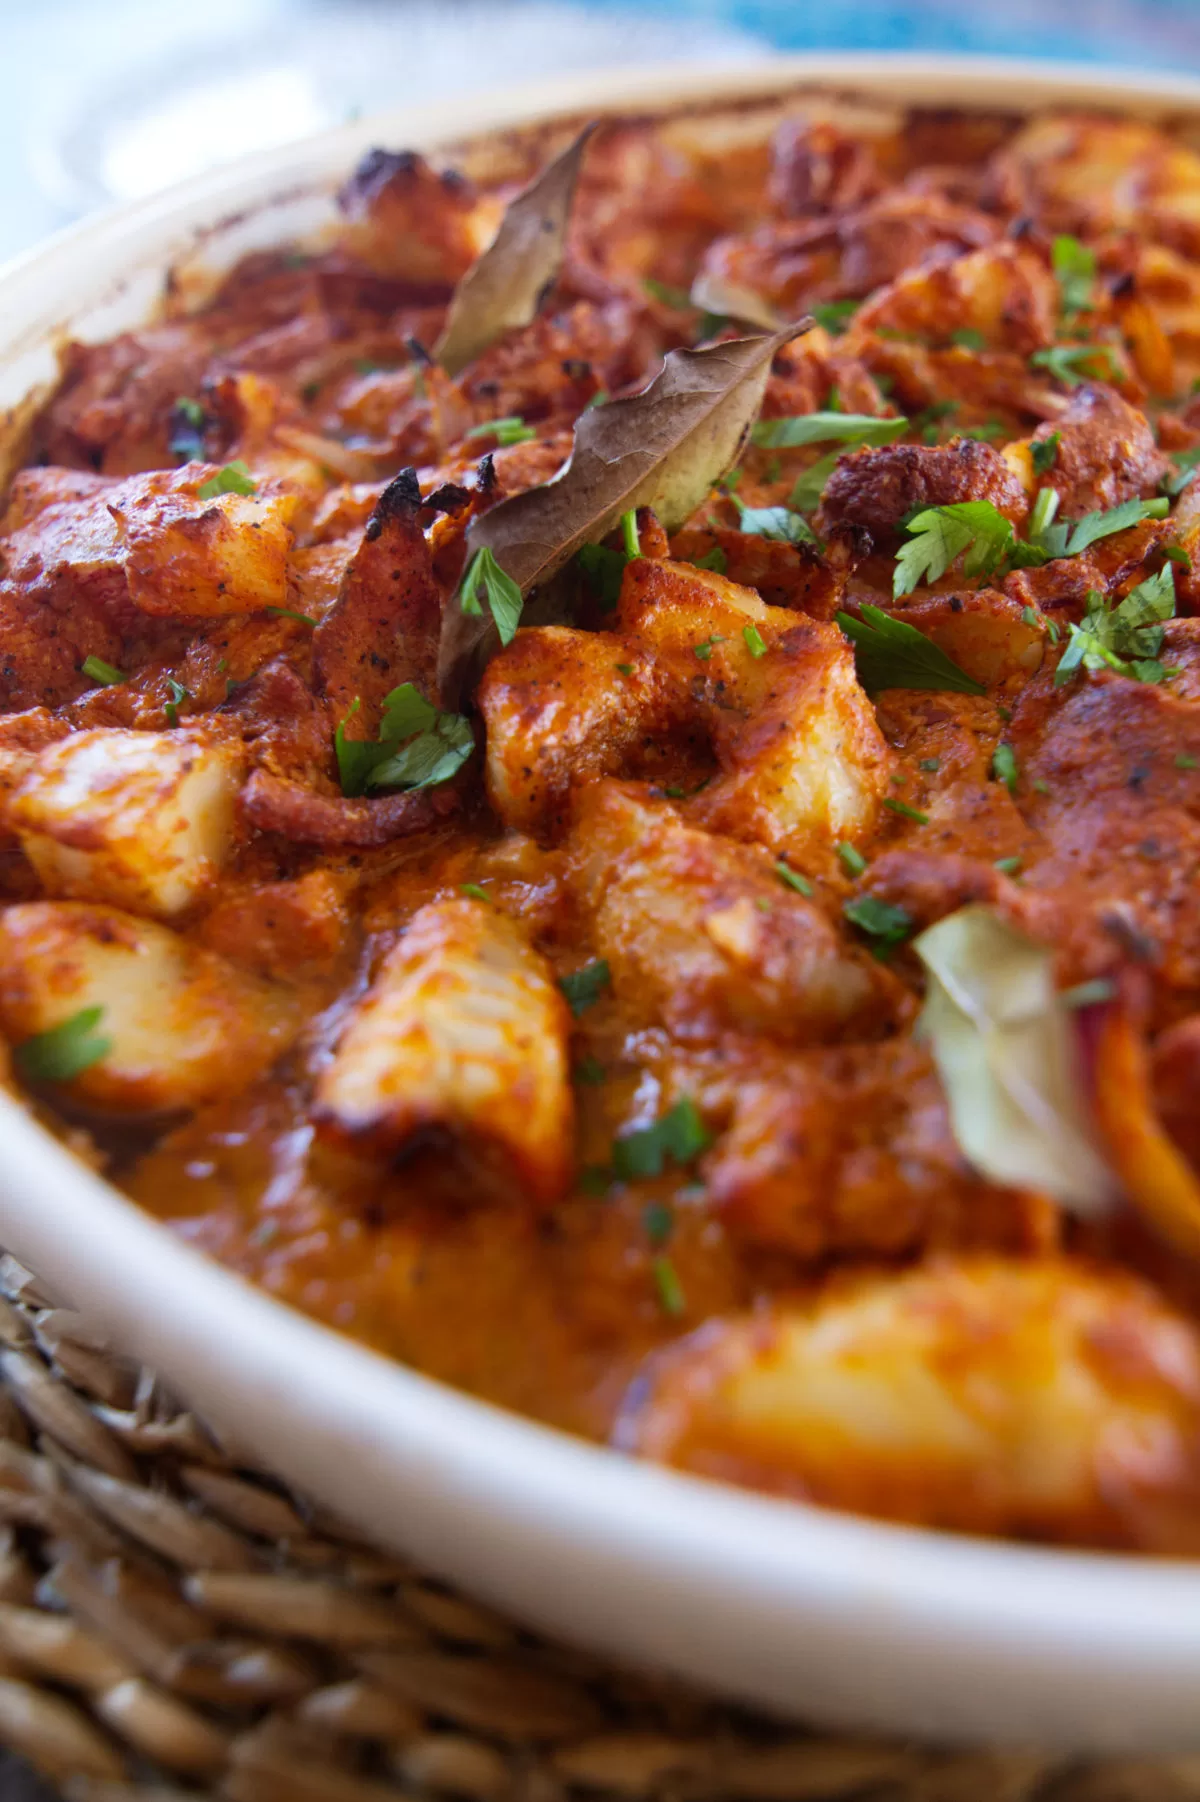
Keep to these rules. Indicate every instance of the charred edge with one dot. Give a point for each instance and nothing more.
(399, 501)
(451, 497)
(485, 476)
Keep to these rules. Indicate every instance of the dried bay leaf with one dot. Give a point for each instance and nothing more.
(503, 289)
(1004, 1048)
(664, 448)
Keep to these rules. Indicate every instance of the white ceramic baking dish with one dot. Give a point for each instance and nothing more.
(831, 1618)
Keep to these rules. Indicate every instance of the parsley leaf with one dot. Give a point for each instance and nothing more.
(716, 560)
(827, 428)
(905, 811)
(968, 339)
(755, 642)
(658, 1222)
(834, 315)
(1075, 269)
(852, 861)
(187, 423)
(438, 744)
(64, 1051)
(107, 674)
(179, 694)
(889, 653)
(1043, 453)
(810, 486)
(484, 575)
(1117, 519)
(793, 879)
(604, 570)
(940, 534)
(1004, 767)
(473, 891)
(678, 299)
(1126, 638)
(778, 523)
(679, 1135)
(1072, 364)
(235, 478)
(670, 1290)
(704, 650)
(879, 919)
(510, 430)
(1185, 462)
(583, 988)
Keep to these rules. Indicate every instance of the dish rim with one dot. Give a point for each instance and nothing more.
(1112, 1618)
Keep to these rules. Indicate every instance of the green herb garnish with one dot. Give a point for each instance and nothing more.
(658, 1222)
(905, 811)
(604, 570)
(302, 619)
(679, 1136)
(716, 560)
(975, 530)
(827, 428)
(969, 339)
(1126, 638)
(778, 523)
(889, 653)
(834, 315)
(670, 1290)
(107, 674)
(64, 1051)
(510, 430)
(235, 478)
(879, 919)
(852, 861)
(1043, 453)
(755, 643)
(1004, 767)
(583, 988)
(417, 747)
(1072, 364)
(485, 580)
(179, 694)
(793, 879)
(1075, 269)
(1007, 866)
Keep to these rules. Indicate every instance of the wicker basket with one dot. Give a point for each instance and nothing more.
(173, 1624)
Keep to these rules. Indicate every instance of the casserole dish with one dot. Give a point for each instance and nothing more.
(824, 1616)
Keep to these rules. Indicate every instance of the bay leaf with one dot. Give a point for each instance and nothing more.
(725, 299)
(664, 448)
(1002, 1042)
(503, 288)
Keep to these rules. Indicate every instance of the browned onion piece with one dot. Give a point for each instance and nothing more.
(273, 804)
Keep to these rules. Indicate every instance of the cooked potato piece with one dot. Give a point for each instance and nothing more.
(703, 935)
(464, 1029)
(185, 1027)
(1086, 172)
(413, 223)
(561, 706)
(981, 1394)
(185, 555)
(143, 820)
(983, 631)
(1003, 291)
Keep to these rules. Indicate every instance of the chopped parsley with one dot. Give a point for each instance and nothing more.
(417, 747)
(1094, 526)
(595, 1180)
(658, 1222)
(1126, 638)
(235, 478)
(303, 619)
(1004, 767)
(678, 299)
(834, 315)
(678, 1136)
(187, 424)
(905, 811)
(629, 534)
(1074, 267)
(827, 428)
(1185, 761)
(793, 879)
(604, 570)
(968, 339)
(510, 430)
(64, 1051)
(932, 764)
(1007, 866)
(1175, 553)
(583, 988)
(1185, 462)
(779, 523)
(179, 694)
(880, 920)
(810, 486)
(485, 578)
(623, 669)
(1072, 364)
(670, 1290)
(1043, 453)
(889, 653)
(705, 650)
(852, 861)
(755, 643)
(976, 530)
(473, 891)
(107, 674)
(716, 560)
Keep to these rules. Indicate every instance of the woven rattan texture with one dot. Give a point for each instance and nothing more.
(174, 1624)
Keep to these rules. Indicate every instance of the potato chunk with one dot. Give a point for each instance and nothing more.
(143, 820)
(983, 1394)
(185, 1026)
(465, 1029)
(702, 934)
